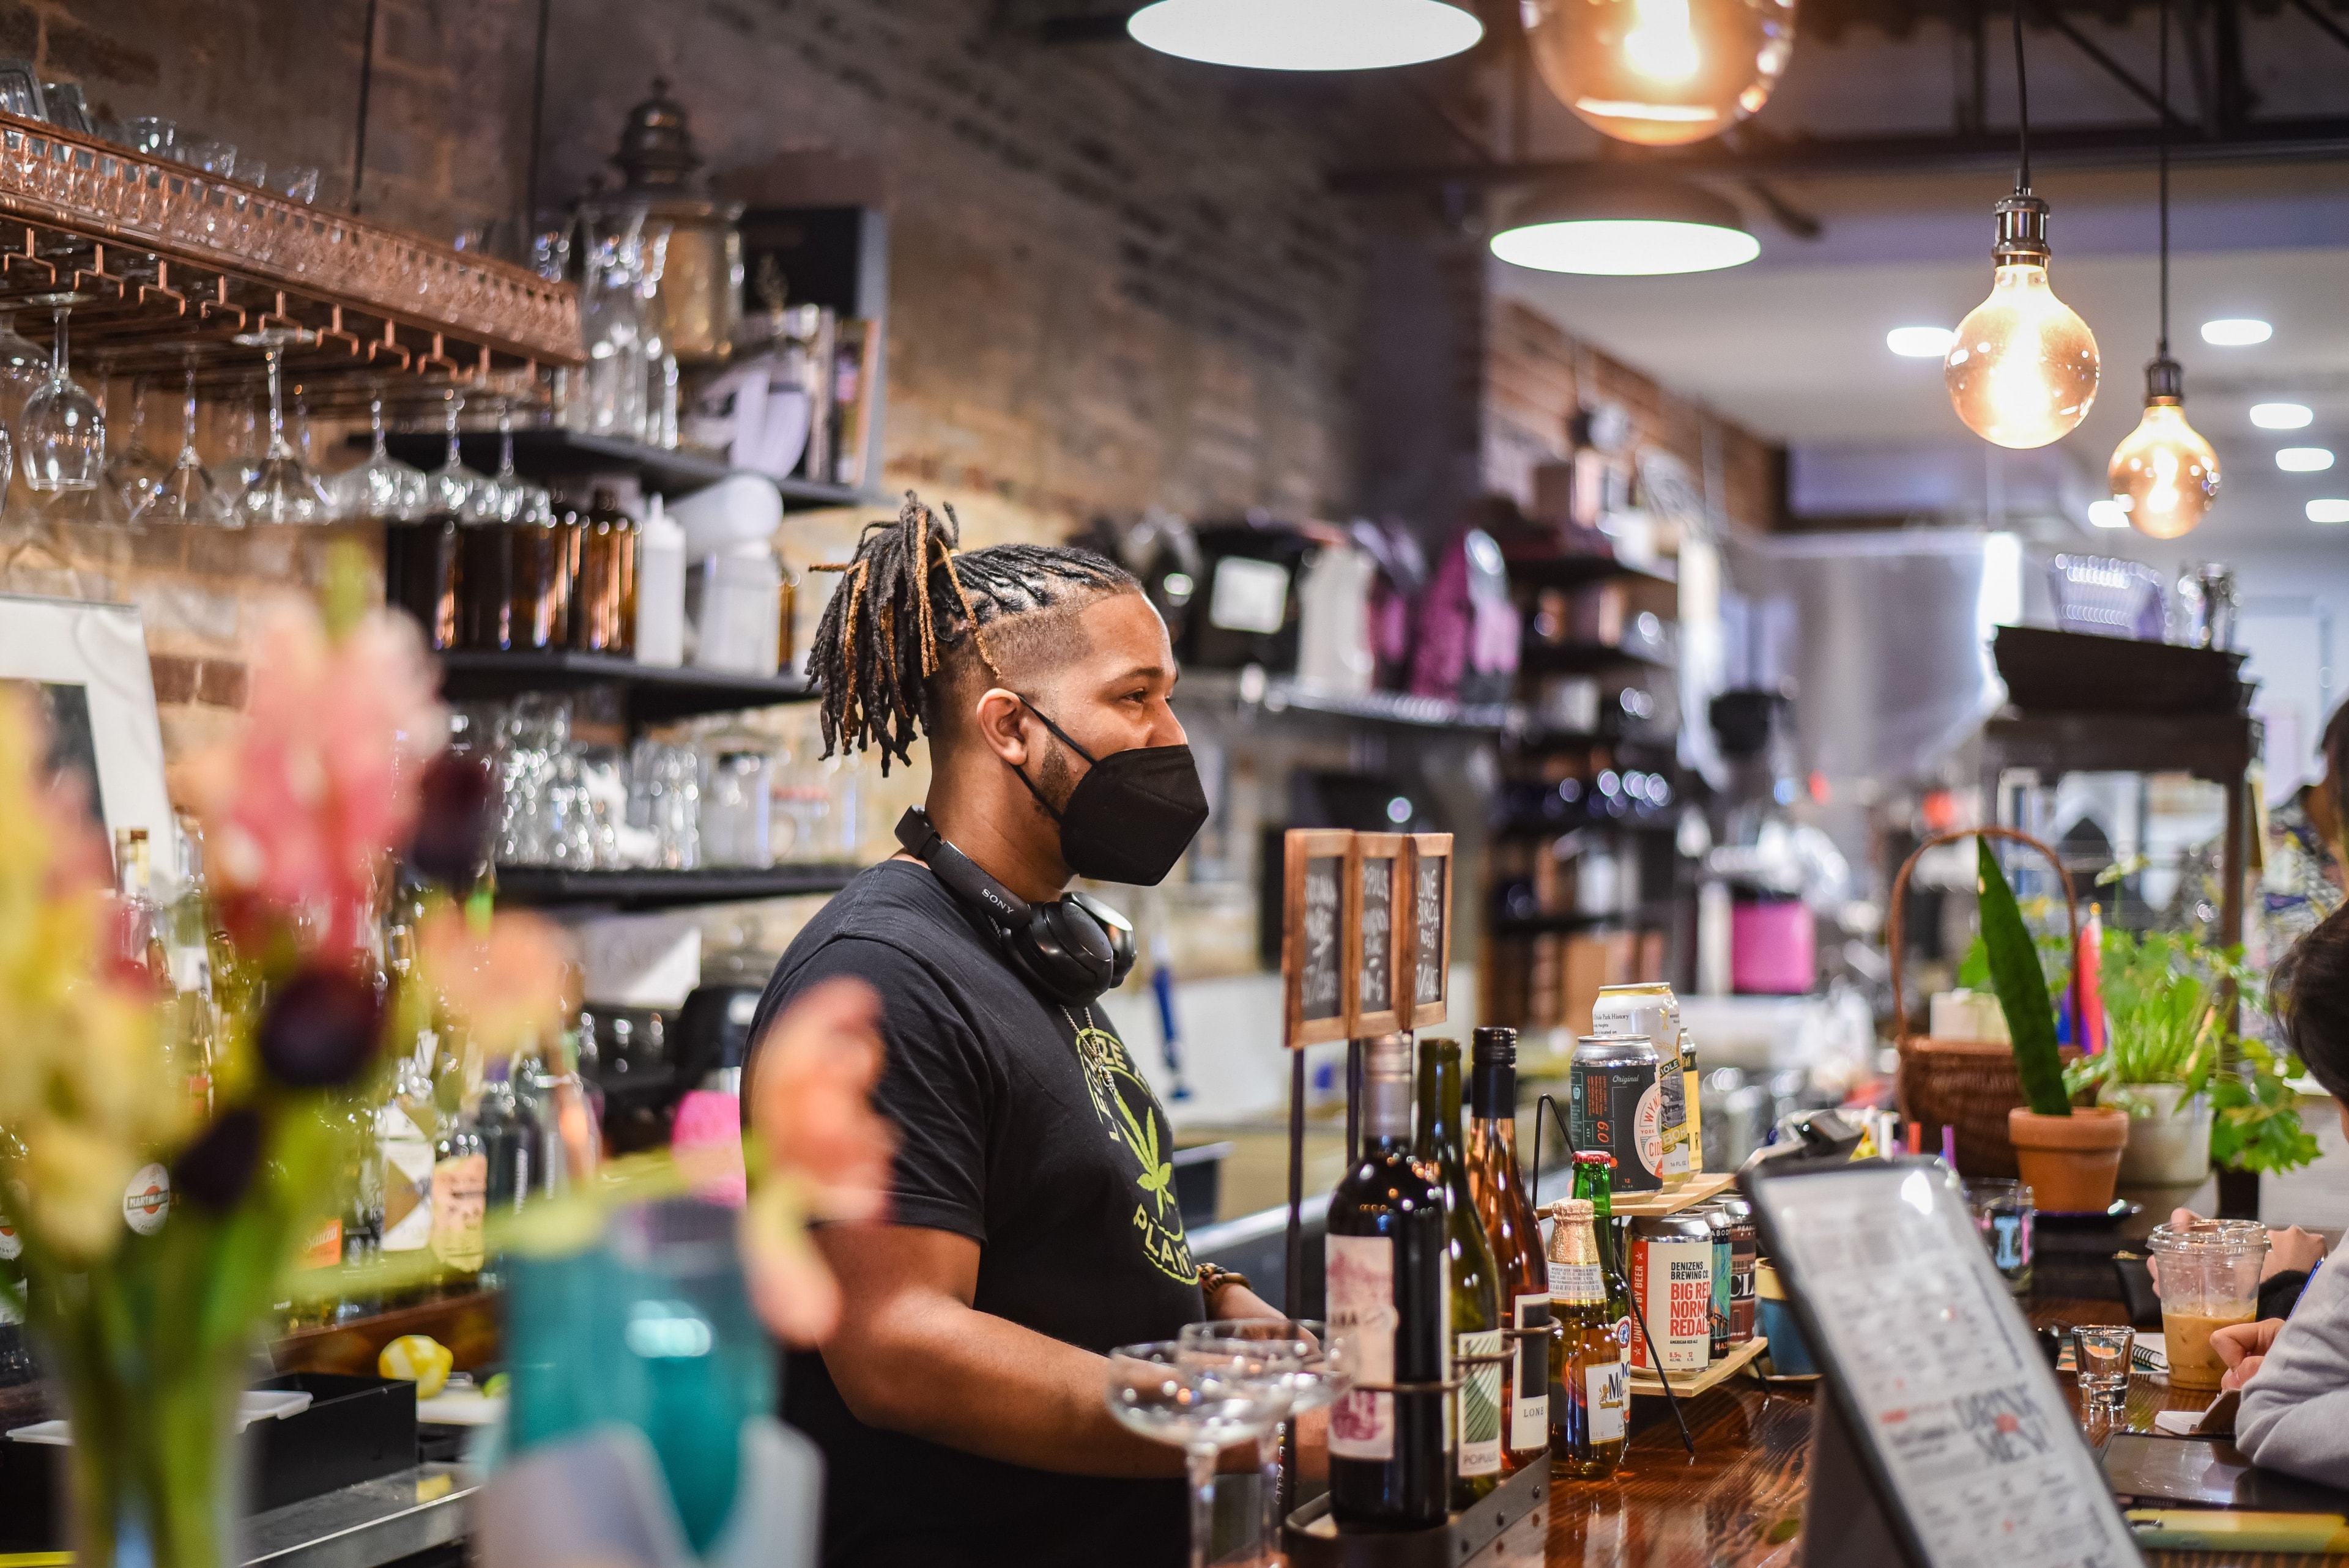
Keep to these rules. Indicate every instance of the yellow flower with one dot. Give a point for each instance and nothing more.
(71, 1191)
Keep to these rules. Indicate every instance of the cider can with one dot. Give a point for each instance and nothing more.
(1614, 1107)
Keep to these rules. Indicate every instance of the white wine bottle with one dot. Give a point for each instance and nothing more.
(1473, 1278)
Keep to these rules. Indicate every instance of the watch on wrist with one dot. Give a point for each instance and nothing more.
(1212, 1277)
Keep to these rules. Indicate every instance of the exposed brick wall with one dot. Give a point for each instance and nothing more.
(1537, 378)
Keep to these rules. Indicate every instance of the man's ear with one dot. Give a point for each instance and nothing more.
(1002, 720)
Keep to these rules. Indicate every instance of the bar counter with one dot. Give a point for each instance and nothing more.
(1739, 1502)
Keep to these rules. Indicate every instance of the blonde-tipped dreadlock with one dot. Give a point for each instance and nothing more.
(908, 600)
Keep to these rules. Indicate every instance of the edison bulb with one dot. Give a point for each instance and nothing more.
(1660, 72)
(2022, 368)
(2164, 474)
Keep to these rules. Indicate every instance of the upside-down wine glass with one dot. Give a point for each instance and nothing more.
(382, 486)
(187, 493)
(62, 428)
(1295, 1357)
(285, 491)
(452, 487)
(134, 471)
(1166, 1394)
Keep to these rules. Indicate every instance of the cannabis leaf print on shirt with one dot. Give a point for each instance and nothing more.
(1129, 1113)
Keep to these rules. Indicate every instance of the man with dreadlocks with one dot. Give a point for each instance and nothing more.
(1032, 1226)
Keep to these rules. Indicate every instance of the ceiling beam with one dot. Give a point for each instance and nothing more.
(2079, 147)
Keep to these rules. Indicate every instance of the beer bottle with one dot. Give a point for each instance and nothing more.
(1594, 1180)
(1590, 1403)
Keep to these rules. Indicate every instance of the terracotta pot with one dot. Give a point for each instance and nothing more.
(2069, 1162)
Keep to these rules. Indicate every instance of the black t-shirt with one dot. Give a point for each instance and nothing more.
(1025, 1127)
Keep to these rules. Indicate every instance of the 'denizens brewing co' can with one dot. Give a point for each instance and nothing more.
(1612, 1108)
(1650, 1012)
(1671, 1290)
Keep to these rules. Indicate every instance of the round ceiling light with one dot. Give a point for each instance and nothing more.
(1920, 342)
(2332, 510)
(2304, 459)
(2236, 332)
(1630, 229)
(2107, 514)
(2282, 416)
(1306, 34)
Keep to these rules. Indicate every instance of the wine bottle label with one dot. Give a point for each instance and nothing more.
(1480, 1404)
(1671, 1289)
(12, 1246)
(323, 1250)
(406, 1183)
(459, 1200)
(1576, 1284)
(1360, 1286)
(1607, 1388)
(1529, 1377)
(147, 1201)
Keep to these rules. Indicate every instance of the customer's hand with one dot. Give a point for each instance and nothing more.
(2242, 1346)
(2288, 1248)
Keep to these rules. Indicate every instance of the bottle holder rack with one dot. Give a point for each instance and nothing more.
(1514, 1516)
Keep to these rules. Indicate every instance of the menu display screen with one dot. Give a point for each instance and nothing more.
(1978, 1448)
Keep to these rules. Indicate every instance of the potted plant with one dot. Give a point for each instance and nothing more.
(2069, 1156)
(2168, 1002)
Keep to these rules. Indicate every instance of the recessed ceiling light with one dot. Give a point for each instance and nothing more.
(2304, 459)
(2333, 509)
(1306, 34)
(2236, 332)
(1920, 342)
(1628, 230)
(2108, 514)
(2282, 416)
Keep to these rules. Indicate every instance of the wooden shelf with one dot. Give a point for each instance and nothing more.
(1672, 1199)
(542, 887)
(1719, 1372)
(1573, 571)
(553, 452)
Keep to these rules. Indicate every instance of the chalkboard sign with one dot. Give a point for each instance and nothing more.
(1315, 974)
(1378, 933)
(1944, 1440)
(1431, 926)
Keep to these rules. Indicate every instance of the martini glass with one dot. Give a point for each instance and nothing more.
(134, 471)
(234, 474)
(1194, 1401)
(285, 490)
(382, 486)
(517, 500)
(186, 494)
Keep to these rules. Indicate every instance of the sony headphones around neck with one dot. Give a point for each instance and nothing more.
(1074, 948)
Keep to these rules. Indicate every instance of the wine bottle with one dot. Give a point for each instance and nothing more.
(1593, 1401)
(1474, 1418)
(1515, 1236)
(1385, 1281)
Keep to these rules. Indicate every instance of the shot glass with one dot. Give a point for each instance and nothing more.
(2100, 1361)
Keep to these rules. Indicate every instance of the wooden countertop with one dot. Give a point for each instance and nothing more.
(1739, 1502)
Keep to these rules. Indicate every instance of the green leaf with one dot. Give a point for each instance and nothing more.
(2021, 989)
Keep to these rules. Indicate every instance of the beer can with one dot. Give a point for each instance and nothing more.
(1614, 1107)
(1650, 1012)
(1671, 1290)
(1718, 1321)
(1744, 1246)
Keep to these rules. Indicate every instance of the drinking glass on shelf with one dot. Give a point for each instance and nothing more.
(382, 486)
(531, 734)
(186, 494)
(2100, 1362)
(295, 182)
(285, 490)
(738, 802)
(664, 800)
(1294, 1355)
(154, 136)
(62, 429)
(204, 152)
(1163, 1393)
(234, 473)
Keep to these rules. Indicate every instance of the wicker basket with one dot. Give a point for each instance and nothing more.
(1968, 1085)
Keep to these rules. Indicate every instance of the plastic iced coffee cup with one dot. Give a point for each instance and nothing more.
(2209, 1278)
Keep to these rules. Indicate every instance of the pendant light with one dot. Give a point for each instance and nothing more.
(2164, 474)
(1624, 229)
(1306, 34)
(1660, 72)
(2022, 368)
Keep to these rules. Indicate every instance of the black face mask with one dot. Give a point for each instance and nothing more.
(1132, 815)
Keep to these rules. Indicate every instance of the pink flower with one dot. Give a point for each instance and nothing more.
(505, 981)
(828, 1152)
(319, 785)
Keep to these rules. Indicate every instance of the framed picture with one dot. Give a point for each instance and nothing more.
(1378, 934)
(20, 90)
(1431, 928)
(1315, 977)
(86, 664)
